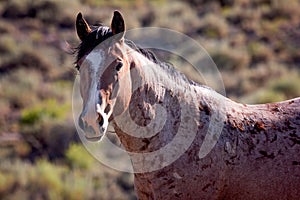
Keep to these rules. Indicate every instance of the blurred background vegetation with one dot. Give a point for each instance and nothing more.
(255, 44)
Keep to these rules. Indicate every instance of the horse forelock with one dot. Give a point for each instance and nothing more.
(98, 35)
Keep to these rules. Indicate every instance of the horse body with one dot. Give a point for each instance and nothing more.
(265, 163)
(256, 156)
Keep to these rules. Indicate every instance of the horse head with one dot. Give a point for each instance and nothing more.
(104, 66)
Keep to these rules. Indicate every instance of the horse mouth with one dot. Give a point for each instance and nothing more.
(92, 133)
(93, 136)
(94, 139)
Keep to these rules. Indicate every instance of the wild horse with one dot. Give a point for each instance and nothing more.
(255, 156)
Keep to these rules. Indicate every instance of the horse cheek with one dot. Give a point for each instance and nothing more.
(123, 98)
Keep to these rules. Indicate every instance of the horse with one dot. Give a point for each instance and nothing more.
(255, 156)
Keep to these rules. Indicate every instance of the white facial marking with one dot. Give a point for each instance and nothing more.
(104, 115)
(90, 76)
(95, 58)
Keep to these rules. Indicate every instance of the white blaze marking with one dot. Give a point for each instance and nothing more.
(93, 63)
(95, 58)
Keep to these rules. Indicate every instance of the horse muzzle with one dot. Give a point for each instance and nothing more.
(93, 127)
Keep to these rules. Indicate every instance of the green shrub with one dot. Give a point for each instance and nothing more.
(6, 27)
(230, 59)
(269, 96)
(6, 182)
(47, 110)
(44, 127)
(15, 9)
(78, 157)
(289, 86)
(286, 8)
(176, 15)
(19, 88)
(8, 47)
(48, 179)
(32, 181)
(53, 180)
(45, 180)
(259, 52)
(78, 186)
(281, 89)
(213, 26)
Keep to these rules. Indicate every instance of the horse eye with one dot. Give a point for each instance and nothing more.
(119, 66)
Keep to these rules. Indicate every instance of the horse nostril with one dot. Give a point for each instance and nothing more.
(100, 119)
(81, 123)
(107, 109)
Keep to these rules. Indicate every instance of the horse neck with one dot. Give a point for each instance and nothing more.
(160, 78)
(161, 100)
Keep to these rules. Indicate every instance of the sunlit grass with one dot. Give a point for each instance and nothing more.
(47, 180)
(47, 110)
(78, 157)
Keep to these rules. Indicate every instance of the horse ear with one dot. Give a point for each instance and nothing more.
(82, 27)
(118, 24)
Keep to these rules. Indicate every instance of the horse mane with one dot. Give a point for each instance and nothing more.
(152, 57)
(100, 33)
